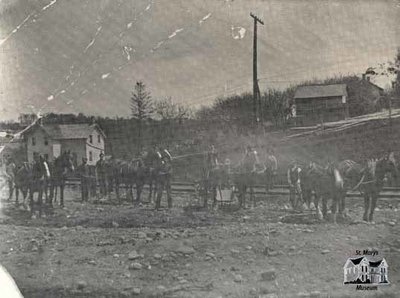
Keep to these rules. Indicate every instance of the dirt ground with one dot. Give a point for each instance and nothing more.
(100, 249)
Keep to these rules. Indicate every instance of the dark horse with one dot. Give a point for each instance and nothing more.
(61, 167)
(368, 179)
(39, 175)
(325, 183)
(21, 180)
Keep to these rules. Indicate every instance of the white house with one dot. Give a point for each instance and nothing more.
(50, 140)
(361, 270)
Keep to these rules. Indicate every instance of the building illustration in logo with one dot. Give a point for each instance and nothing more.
(363, 271)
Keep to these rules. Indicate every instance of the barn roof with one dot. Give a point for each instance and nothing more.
(316, 91)
(68, 131)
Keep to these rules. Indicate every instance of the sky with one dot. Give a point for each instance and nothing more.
(71, 56)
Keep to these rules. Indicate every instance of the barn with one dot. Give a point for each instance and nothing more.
(321, 103)
(50, 140)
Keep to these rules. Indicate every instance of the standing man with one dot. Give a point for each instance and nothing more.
(101, 172)
(249, 166)
(294, 181)
(212, 175)
(164, 178)
(10, 173)
(271, 165)
(84, 174)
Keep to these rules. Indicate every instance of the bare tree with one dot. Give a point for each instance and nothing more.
(141, 107)
(168, 110)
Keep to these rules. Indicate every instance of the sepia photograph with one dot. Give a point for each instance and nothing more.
(199, 148)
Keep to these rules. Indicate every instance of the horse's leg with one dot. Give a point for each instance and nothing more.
(51, 192)
(16, 195)
(150, 189)
(130, 187)
(374, 199)
(62, 194)
(168, 190)
(324, 207)
(317, 207)
(117, 190)
(366, 206)
(10, 189)
(292, 197)
(40, 197)
(334, 208)
(159, 194)
(214, 194)
(243, 191)
(341, 202)
(139, 188)
(252, 196)
(31, 202)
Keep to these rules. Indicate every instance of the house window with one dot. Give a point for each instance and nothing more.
(33, 141)
(90, 156)
(91, 139)
(98, 139)
(46, 141)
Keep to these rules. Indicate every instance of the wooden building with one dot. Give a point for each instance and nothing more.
(50, 140)
(316, 104)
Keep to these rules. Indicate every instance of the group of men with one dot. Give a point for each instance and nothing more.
(249, 170)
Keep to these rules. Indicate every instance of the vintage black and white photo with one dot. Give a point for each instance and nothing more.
(214, 148)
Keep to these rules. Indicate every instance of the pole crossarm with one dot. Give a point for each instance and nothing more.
(257, 19)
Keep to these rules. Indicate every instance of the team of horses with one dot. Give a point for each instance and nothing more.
(319, 183)
(42, 179)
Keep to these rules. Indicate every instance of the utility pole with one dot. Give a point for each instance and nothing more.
(256, 90)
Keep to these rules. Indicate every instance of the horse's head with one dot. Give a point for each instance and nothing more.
(66, 162)
(386, 164)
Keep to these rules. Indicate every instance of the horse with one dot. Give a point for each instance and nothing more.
(38, 176)
(368, 179)
(21, 181)
(147, 174)
(245, 175)
(59, 170)
(123, 172)
(325, 183)
(212, 181)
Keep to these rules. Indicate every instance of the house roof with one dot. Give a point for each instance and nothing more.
(375, 264)
(68, 131)
(316, 91)
(357, 261)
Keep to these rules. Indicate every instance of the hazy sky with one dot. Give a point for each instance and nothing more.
(85, 55)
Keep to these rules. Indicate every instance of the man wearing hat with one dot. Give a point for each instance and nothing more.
(271, 165)
(101, 174)
(294, 181)
(84, 174)
(164, 172)
(10, 174)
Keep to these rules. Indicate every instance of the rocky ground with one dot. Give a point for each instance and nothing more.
(108, 250)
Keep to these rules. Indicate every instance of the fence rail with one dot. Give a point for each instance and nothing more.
(189, 187)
